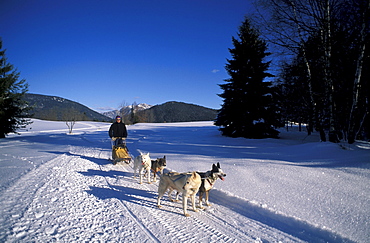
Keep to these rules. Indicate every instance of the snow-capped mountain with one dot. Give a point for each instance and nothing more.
(139, 107)
(111, 114)
(126, 110)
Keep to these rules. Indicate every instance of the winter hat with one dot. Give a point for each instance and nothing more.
(118, 117)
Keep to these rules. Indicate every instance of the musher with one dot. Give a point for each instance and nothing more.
(118, 132)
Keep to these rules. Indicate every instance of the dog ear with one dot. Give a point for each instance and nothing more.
(164, 157)
(194, 174)
(218, 165)
(214, 167)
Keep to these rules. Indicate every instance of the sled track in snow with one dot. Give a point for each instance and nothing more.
(207, 225)
(254, 229)
(178, 231)
(134, 217)
(93, 194)
(124, 205)
(17, 193)
(213, 224)
(170, 218)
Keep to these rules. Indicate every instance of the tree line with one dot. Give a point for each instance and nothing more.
(323, 76)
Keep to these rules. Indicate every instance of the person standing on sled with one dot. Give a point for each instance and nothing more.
(118, 131)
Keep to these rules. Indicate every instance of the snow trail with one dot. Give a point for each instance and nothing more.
(70, 192)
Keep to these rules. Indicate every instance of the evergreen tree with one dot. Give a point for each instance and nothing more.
(13, 110)
(248, 110)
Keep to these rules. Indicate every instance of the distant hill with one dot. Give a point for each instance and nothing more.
(54, 108)
(176, 112)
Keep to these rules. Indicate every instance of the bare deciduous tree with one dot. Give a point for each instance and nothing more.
(293, 25)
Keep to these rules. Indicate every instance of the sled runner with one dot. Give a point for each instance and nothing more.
(120, 153)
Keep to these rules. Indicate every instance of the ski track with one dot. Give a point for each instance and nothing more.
(97, 201)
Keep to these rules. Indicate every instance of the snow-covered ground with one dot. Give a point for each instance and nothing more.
(59, 187)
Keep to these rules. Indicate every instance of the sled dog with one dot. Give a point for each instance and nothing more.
(142, 163)
(158, 166)
(209, 178)
(187, 183)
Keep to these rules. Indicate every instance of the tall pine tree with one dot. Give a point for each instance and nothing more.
(13, 110)
(248, 110)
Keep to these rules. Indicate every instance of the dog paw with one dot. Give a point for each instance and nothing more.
(187, 215)
(196, 210)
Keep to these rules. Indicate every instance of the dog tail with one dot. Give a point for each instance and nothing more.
(166, 171)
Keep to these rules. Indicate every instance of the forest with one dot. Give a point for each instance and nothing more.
(309, 60)
(325, 84)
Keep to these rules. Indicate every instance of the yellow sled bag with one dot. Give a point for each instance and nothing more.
(120, 152)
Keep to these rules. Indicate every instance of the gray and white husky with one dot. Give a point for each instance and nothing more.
(157, 166)
(209, 178)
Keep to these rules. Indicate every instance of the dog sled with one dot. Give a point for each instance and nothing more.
(120, 153)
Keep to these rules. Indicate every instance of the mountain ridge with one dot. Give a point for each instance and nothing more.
(56, 108)
(175, 111)
(126, 110)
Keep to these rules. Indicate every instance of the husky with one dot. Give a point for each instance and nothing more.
(187, 183)
(209, 178)
(158, 166)
(142, 163)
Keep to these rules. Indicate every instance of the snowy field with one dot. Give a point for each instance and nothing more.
(56, 187)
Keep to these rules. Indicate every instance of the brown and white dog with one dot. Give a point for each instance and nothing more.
(209, 178)
(187, 183)
(157, 166)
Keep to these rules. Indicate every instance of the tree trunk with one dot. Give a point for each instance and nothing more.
(313, 113)
(357, 82)
(327, 72)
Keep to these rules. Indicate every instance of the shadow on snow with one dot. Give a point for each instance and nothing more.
(289, 225)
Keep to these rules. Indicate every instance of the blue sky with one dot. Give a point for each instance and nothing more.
(105, 53)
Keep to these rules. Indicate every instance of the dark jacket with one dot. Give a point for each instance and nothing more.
(118, 130)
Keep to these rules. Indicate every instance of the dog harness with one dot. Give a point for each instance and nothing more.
(209, 182)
